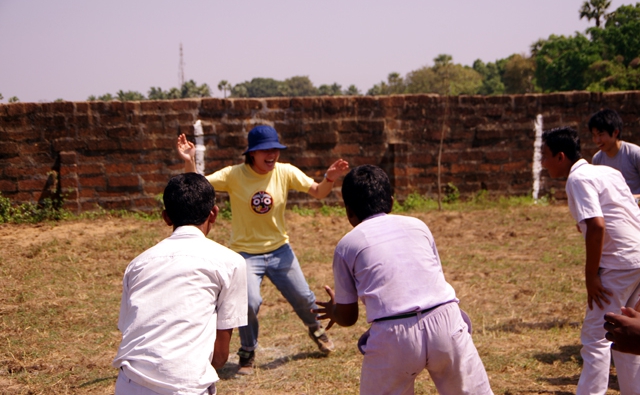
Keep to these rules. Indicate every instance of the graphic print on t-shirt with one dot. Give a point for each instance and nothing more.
(261, 202)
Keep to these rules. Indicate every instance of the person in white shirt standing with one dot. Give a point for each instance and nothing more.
(391, 263)
(179, 298)
(609, 219)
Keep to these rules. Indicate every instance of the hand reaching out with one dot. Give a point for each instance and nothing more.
(327, 309)
(337, 169)
(186, 149)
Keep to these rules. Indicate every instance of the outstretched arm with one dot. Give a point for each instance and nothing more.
(337, 169)
(186, 151)
(342, 314)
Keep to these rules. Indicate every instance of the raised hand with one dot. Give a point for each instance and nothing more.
(337, 169)
(186, 149)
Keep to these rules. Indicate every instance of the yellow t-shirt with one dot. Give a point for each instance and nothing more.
(258, 202)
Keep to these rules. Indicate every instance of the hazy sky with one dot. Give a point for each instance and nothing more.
(71, 49)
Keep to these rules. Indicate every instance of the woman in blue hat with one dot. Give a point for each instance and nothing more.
(258, 192)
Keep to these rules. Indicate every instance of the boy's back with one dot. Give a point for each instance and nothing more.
(601, 191)
(395, 264)
(174, 296)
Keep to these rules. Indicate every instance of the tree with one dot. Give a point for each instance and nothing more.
(156, 93)
(518, 75)
(225, 87)
(621, 35)
(352, 90)
(298, 86)
(129, 96)
(1, 97)
(257, 87)
(330, 90)
(561, 62)
(491, 76)
(595, 9)
(394, 86)
(444, 78)
(13, 99)
(190, 89)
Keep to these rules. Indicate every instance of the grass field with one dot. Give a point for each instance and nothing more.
(517, 269)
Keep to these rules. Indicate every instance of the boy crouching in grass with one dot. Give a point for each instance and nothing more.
(609, 219)
(179, 298)
(391, 263)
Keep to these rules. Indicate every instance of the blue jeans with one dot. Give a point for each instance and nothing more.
(282, 268)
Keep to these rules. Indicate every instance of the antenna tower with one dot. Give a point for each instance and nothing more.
(181, 72)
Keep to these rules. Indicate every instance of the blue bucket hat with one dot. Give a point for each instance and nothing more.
(263, 137)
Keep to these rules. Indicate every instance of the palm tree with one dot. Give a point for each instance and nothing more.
(595, 9)
(225, 87)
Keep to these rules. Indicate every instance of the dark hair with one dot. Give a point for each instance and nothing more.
(366, 190)
(606, 120)
(564, 140)
(248, 159)
(188, 199)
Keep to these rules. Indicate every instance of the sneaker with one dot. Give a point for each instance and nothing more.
(319, 336)
(246, 363)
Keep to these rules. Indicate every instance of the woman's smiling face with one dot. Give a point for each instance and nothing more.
(264, 160)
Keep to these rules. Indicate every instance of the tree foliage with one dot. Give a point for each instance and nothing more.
(444, 78)
(595, 9)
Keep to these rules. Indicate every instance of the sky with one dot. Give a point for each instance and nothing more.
(71, 49)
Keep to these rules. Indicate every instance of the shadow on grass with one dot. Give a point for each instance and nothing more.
(96, 381)
(517, 326)
(565, 354)
(229, 370)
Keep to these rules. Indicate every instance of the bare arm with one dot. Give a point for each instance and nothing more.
(342, 314)
(594, 240)
(337, 169)
(221, 348)
(186, 151)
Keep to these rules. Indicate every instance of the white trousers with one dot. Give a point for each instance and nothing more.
(397, 350)
(596, 350)
(125, 386)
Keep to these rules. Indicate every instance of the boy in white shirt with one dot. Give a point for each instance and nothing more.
(179, 298)
(391, 263)
(609, 219)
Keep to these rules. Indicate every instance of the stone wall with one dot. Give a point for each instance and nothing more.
(119, 155)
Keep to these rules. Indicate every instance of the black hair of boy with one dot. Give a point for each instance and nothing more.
(564, 140)
(606, 120)
(366, 190)
(188, 199)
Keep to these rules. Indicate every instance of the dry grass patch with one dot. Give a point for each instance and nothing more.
(517, 270)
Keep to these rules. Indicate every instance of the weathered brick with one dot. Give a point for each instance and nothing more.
(123, 181)
(94, 182)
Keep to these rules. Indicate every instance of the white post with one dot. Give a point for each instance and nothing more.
(537, 156)
(200, 148)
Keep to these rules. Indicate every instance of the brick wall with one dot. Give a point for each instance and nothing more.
(120, 155)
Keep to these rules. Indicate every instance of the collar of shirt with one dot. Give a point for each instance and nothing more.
(187, 231)
(375, 216)
(578, 164)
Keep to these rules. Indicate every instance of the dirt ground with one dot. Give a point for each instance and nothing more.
(516, 270)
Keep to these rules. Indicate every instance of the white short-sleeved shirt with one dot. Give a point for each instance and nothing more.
(626, 161)
(175, 296)
(391, 263)
(601, 191)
